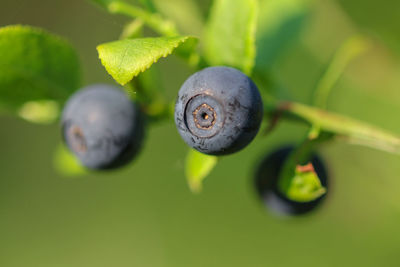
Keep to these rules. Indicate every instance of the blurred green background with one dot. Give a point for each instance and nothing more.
(145, 215)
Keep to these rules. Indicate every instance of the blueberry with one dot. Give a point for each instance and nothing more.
(218, 110)
(102, 127)
(266, 184)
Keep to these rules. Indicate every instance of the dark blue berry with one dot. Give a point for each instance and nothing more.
(218, 110)
(266, 184)
(102, 126)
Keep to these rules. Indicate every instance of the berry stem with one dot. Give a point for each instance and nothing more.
(341, 127)
(301, 155)
(153, 20)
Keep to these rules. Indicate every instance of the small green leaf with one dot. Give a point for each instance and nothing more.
(148, 90)
(35, 65)
(230, 34)
(305, 186)
(42, 112)
(125, 59)
(279, 24)
(66, 163)
(151, 87)
(187, 49)
(350, 49)
(198, 166)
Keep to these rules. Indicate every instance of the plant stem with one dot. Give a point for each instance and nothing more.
(323, 129)
(342, 127)
(153, 20)
(158, 24)
(301, 155)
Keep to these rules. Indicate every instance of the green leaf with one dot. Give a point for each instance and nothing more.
(188, 52)
(230, 34)
(66, 163)
(279, 25)
(125, 59)
(305, 186)
(42, 112)
(35, 65)
(351, 48)
(198, 166)
(148, 90)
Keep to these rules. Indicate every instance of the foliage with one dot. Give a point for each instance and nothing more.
(198, 166)
(35, 65)
(39, 70)
(125, 59)
(230, 34)
(66, 163)
(305, 185)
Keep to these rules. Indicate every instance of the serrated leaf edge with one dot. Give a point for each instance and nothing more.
(169, 51)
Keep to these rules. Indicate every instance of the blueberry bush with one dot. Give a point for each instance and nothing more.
(219, 110)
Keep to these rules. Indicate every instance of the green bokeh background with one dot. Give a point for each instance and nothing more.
(145, 215)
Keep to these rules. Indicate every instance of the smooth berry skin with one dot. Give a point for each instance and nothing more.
(102, 127)
(218, 110)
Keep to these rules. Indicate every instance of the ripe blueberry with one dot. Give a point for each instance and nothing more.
(266, 184)
(218, 110)
(102, 127)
